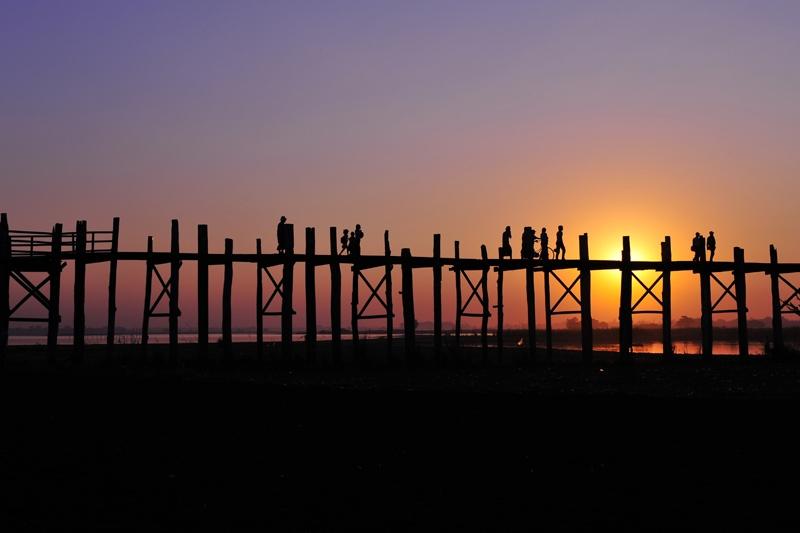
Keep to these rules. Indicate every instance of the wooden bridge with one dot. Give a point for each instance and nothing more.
(23, 252)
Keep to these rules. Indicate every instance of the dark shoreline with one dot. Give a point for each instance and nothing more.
(650, 446)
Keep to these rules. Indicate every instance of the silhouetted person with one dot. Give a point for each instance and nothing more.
(695, 247)
(534, 238)
(351, 243)
(345, 241)
(506, 249)
(560, 243)
(711, 243)
(528, 238)
(282, 236)
(355, 240)
(545, 240)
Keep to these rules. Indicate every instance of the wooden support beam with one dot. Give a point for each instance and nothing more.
(457, 270)
(586, 299)
(79, 294)
(777, 319)
(740, 283)
(706, 325)
(499, 307)
(5, 285)
(666, 297)
(287, 301)
(259, 304)
(485, 298)
(227, 291)
(202, 291)
(387, 252)
(311, 298)
(354, 311)
(148, 292)
(174, 285)
(625, 295)
(409, 318)
(548, 314)
(437, 298)
(530, 301)
(112, 286)
(336, 301)
(53, 315)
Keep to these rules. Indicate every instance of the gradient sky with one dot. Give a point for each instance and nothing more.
(612, 118)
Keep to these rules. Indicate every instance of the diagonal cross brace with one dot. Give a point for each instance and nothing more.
(374, 294)
(277, 290)
(647, 290)
(568, 291)
(726, 291)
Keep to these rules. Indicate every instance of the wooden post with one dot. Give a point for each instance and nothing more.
(499, 307)
(259, 304)
(79, 293)
(227, 290)
(389, 304)
(112, 286)
(286, 302)
(437, 297)
(548, 314)
(739, 280)
(5, 285)
(354, 311)
(174, 273)
(586, 299)
(336, 301)
(409, 319)
(202, 291)
(625, 294)
(666, 297)
(311, 298)
(706, 324)
(457, 269)
(530, 300)
(148, 290)
(485, 314)
(53, 315)
(777, 318)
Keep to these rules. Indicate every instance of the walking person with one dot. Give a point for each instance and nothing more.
(344, 240)
(506, 248)
(711, 244)
(544, 239)
(560, 243)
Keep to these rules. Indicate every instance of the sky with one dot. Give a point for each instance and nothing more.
(455, 117)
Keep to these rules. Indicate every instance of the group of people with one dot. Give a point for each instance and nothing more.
(700, 244)
(529, 239)
(351, 241)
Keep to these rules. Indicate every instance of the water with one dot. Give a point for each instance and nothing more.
(467, 339)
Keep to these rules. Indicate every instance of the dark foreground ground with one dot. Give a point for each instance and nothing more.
(646, 447)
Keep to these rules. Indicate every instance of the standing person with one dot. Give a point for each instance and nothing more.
(527, 243)
(506, 249)
(711, 243)
(560, 243)
(282, 244)
(351, 244)
(344, 240)
(534, 238)
(357, 241)
(545, 240)
(696, 246)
